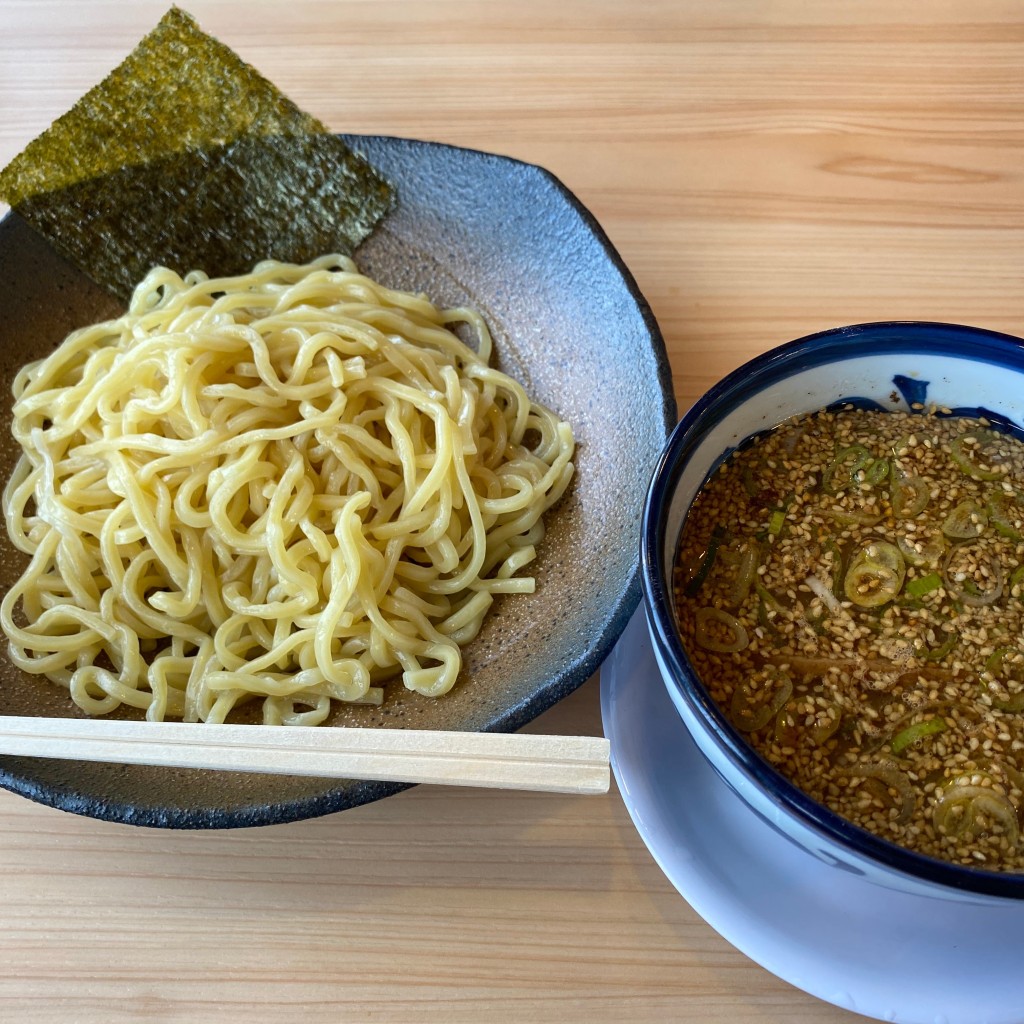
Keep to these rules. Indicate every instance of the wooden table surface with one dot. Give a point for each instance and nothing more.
(766, 168)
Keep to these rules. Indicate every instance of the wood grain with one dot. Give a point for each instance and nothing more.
(766, 168)
(544, 764)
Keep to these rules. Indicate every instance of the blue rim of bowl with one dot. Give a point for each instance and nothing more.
(835, 345)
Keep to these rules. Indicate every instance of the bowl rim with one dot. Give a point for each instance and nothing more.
(893, 337)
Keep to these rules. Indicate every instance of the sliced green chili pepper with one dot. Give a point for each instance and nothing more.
(746, 562)
(850, 517)
(918, 731)
(877, 472)
(966, 522)
(966, 449)
(893, 779)
(822, 732)
(923, 548)
(999, 514)
(940, 652)
(837, 565)
(738, 638)
(966, 590)
(754, 707)
(961, 802)
(1017, 581)
(875, 575)
(909, 495)
(910, 444)
(885, 553)
(843, 469)
(767, 603)
(717, 536)
(998, 670)
(785, 731)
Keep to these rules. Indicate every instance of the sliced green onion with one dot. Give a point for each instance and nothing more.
(706, 562)
(753, 706)
(1005, 666)
(875, 575)
(966, 449)
(922, 585)
(843, 469)
(734, 629)
(776, 522)
(966, 522)
(917, 732)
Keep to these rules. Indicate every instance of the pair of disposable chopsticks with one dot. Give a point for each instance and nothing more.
(555, 764)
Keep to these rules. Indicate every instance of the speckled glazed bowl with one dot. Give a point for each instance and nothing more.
(568, 321)
(894, 364)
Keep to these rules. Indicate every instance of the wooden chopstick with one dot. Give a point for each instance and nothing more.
(554, 764)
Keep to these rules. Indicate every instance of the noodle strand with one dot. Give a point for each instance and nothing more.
(286, 487)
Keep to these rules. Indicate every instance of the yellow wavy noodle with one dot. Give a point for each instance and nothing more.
(287, 486)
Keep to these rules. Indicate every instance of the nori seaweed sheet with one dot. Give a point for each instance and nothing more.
(186, 156)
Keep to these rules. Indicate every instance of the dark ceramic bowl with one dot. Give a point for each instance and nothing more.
(969, 370)
(568, 321)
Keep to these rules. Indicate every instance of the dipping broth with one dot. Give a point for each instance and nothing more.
(850, 589)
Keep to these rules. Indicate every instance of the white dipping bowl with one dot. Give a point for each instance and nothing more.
(972, 372)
